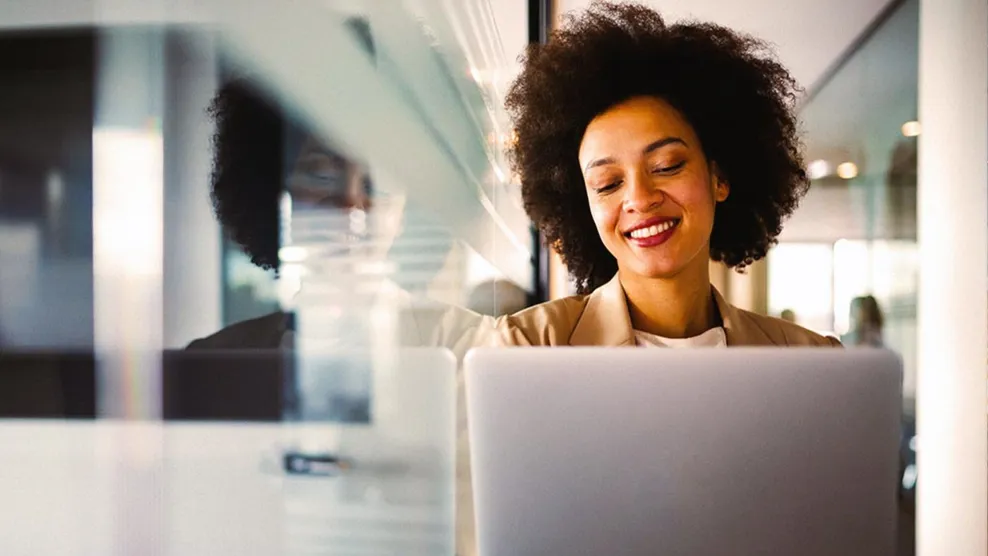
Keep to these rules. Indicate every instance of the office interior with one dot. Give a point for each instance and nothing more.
(110, 244)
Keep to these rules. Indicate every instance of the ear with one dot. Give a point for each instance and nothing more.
(722, 189)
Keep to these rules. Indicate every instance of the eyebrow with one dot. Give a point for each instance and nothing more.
(654, 146)
(313, 152)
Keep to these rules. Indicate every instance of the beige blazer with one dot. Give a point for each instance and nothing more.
(602, 319)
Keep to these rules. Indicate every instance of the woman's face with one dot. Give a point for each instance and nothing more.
(651, 189)
(320, 177)
(352, 214)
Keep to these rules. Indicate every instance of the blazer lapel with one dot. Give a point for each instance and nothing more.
(738, 327)
(605, 320)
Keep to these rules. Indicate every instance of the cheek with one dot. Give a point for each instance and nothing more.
(605, 218)
(696, 197)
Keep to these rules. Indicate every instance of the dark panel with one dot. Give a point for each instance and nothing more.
(47, 385)
(223, 385)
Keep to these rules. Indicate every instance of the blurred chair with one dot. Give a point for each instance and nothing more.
(497, 298)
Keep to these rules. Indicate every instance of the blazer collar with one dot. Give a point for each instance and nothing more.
(739, 327)
(605, 320)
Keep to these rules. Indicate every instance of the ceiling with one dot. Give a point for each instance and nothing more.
(809, 35)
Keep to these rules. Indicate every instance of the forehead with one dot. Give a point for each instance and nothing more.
(632, 125)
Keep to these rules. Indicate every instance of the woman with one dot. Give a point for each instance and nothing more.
(645, 150)
(866, 323)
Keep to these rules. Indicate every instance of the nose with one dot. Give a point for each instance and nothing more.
(640, 194)
(357, 195)
(358, 200)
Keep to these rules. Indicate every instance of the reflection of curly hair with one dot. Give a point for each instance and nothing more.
(738, 99)
(254, 141)
(248, 169)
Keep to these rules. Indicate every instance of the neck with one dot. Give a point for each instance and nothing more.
(677, 307)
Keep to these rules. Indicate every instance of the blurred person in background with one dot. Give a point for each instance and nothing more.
(788, 315)
(866, 323)
(646, 150)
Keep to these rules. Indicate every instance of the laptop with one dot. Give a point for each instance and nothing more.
(703, 452)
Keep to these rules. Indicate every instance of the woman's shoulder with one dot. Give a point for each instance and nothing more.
(547, 324)
(786, 333)
(259, 333)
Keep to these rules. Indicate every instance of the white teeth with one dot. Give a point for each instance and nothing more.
(642, 233)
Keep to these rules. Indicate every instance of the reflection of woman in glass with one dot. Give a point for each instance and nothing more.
(257, 149)
(866, 323)
(645, 150)
(259, 153)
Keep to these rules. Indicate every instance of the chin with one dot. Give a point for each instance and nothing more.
(658, 269)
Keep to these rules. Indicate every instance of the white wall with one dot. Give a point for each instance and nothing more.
(511, 18)
(951, 509)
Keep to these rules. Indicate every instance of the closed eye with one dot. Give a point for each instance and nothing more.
(669, 169)
(607, 188)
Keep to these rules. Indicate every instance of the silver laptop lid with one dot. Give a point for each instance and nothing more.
(635, 451)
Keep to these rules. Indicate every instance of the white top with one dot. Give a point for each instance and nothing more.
(715, 337)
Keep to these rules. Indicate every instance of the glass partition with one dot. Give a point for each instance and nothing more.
(847, 262)
(861, 131)
(313, 198)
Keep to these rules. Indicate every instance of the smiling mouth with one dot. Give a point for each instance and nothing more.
(653, 230)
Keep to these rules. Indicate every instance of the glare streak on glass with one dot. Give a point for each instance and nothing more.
(128, 213)
(127, 224)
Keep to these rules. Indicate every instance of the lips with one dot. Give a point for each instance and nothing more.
(652, 232)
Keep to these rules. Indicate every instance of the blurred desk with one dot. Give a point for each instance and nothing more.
(107, 487)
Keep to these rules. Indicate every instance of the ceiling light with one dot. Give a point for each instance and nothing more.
(911, 129)
(818, 169)
(847, 170)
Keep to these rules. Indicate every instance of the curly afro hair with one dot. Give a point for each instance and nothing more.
(728, 86)
(249, 154)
